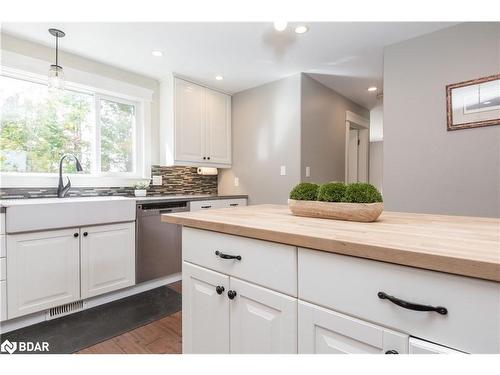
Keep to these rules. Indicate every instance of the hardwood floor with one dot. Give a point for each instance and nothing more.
(163, 336)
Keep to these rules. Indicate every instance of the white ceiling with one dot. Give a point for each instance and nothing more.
(346, 56)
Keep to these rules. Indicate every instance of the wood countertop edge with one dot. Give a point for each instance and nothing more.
(448, 264)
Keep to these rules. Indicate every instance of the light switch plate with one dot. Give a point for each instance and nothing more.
(308, 171)
(157, 180)
(236, 181)
(283, 170)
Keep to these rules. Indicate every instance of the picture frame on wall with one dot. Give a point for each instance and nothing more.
(474, 103)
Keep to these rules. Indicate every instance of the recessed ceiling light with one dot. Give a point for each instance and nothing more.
(373, 88)
(301, 29)
(157, 53)
(280, 25)
(219, 78)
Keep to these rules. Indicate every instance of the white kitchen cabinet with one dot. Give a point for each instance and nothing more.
(417, 346)
(195, 125)
(3, 300)
(107, 258)
(262, 321)
(43, 270)
(190, 127)
(323, 331)
(218, 127)
(205, 319)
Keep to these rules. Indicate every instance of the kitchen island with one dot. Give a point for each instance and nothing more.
(258, 279)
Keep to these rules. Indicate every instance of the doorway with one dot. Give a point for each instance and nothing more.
(357, 148)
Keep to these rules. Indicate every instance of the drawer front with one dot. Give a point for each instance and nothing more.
(351, 285)
(263, 263)
(3, 269)
(202, 205)
(227, 203)
(3, 241)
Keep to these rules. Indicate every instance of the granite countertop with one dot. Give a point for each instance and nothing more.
(467, 246)
(197, 197)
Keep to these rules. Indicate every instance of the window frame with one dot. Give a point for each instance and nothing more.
(95, 178)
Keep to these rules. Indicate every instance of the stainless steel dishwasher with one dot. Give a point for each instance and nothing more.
(158, 244)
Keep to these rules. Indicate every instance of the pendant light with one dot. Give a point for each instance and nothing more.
(56, 74)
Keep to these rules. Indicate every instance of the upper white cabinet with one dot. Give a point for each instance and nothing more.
(108, 258)
(43, 270)
(195, 125)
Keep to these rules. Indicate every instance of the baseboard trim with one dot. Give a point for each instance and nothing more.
(41, 316)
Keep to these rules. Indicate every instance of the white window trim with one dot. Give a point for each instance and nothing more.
(142, 161)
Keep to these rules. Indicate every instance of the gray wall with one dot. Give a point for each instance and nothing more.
(38, 51)
(376, 165)
(266, 135)
(323, 114)
(426, 168)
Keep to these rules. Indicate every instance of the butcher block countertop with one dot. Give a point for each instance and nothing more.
(468, 246)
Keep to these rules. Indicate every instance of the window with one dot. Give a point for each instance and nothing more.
(37, 128)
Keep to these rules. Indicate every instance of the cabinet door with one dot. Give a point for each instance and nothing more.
(43, 270)
(107, 258)
(418, 346)
(262, 321)
(189, 119)
(323, 331)
(205, 312)
(218, 126)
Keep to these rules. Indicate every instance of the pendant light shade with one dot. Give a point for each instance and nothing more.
(56, 74)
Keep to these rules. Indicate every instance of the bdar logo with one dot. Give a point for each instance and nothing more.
(9, 347)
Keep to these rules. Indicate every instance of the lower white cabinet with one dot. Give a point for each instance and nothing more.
(3, 300)
(205, 312)
(222, 314)
(107, 258)
(418, 346)
(323, 331)
(261, 320)
(43, 270)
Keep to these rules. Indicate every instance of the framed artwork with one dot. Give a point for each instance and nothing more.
(474, 103)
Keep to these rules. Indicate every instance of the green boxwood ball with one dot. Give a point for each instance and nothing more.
(304, 191)
(332, 192)
(362, 193)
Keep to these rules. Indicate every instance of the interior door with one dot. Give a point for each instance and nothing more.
(43, 270)
(189, 119)
(323, 331)
(262, 321)
(218, 122)
(205, 312)
(107, 258)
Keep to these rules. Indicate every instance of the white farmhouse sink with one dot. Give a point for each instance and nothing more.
(50, 213)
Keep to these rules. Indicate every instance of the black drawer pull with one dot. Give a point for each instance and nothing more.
(227, 256)
(206, 206)
(391, 352)
(231, 294)
(413, 306)
(219, 289)
(234, 204)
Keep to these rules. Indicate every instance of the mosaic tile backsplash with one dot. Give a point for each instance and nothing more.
(176, 180)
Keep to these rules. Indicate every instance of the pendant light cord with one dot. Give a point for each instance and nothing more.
(57, 46)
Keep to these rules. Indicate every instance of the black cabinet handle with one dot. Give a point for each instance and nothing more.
(413, 306)
(208, 157)
(206, 206)
(75, 235)
(219, 289)
(204, 158)
(231, 294)
(233, 204)
(391, 352)
(227, 256)
(85, 234)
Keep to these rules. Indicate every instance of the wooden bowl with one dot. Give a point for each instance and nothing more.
(364, 212)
